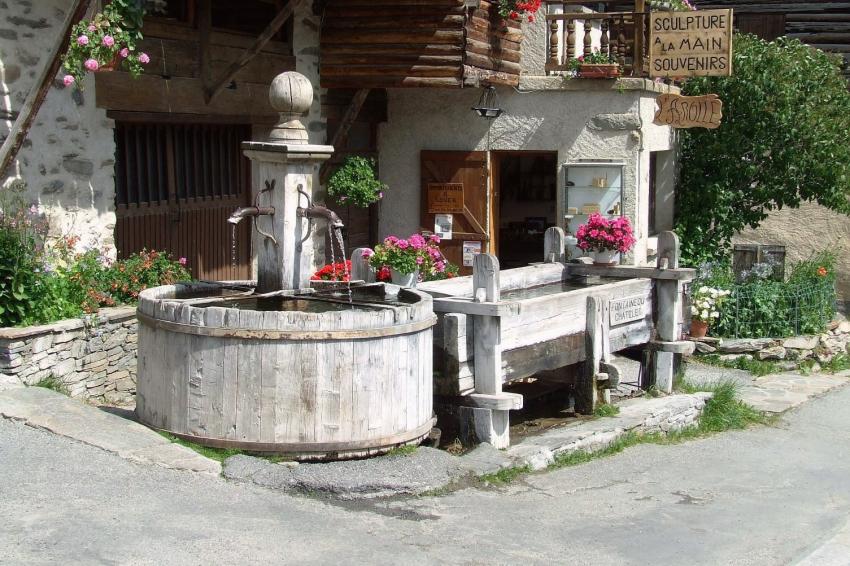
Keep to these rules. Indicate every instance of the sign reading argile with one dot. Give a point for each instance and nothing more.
(627, 309)
(690, 44)
(689, 111)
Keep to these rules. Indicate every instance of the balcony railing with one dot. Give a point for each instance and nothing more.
(574, 31)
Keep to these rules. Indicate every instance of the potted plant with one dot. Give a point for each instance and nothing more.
(705, 308)
(411, 259)
(334, 272)
(106, 42)
(355, 183)
(604, 238)
(597, 65)
(671, 5)
(517, 9)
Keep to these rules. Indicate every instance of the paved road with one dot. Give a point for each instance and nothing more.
(762, 496)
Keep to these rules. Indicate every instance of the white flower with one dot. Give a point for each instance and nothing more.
(703, 289)
(704, 314)
(694, 310)
(715, 314)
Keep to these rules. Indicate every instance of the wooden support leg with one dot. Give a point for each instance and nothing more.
(587, 386)
(484, 425)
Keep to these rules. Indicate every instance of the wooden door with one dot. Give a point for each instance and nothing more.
(455, 182)
(175, 186)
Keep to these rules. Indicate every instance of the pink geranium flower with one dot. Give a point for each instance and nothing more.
(83, 40)
(108, 40)
(68, 80)
(144, 59)
(91, 64)
(124, 53)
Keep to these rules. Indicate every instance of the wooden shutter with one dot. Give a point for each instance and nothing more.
(765, 26)
(468, 168)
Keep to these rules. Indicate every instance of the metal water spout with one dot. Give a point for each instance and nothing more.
(314, 211)
(318, 211)
(249, 211)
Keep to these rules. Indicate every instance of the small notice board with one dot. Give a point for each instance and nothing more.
(445, 198)
(627, 309)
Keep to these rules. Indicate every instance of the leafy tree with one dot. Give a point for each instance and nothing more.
(785, 139)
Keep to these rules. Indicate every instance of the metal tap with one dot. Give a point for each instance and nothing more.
(316, 211)
(249, 211)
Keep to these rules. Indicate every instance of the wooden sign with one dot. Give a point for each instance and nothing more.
(690, 44)
(627, 309)
(689, 111)
(445, 198)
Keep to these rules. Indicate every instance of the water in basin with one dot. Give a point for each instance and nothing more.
(289, 304)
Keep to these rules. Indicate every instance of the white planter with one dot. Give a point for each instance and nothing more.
(404, 279)
(604, 257)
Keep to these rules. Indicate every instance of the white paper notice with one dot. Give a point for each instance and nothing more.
(443, 226)
(469, 251)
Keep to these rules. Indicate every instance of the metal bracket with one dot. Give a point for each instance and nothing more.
(268, 189)
(306, 237)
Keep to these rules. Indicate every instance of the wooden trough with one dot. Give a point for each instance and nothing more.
(496, 327)
(336, 382)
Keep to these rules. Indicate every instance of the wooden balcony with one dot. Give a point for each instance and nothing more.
(417, 43)
(575, 31)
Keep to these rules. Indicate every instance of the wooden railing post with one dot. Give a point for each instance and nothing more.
(553, 43)
(640, 27)
(571, 39)
(621, 41)
(588, 38)
(605, 41)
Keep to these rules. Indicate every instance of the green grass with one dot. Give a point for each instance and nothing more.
(218, 454)
(724, 411)
(505, 475)
(54, 384)
(839, 362)
(756, 367)
(606, 410)
(406, 450)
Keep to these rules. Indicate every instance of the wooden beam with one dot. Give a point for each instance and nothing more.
(281, 18)
(341, 133)
(204, 53)
(630, 272)
(35, 98)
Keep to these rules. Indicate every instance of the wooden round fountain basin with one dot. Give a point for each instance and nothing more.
(296, 376)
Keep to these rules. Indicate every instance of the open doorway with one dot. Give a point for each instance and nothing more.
(524, 198)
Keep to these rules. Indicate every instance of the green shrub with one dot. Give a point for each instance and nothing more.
(355, 183)
(783, 141)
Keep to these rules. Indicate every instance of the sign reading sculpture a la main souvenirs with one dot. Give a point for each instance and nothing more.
(627, 309)
(689, 111)
(445, 198)
(690, 44)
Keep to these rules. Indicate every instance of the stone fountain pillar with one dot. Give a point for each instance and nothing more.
(286, 163)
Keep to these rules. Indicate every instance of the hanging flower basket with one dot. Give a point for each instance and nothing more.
(599, 71)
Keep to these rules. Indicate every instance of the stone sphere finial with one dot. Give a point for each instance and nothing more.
(290, 94)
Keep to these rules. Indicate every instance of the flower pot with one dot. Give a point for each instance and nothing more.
(110, 65)
(604, 257)
(599, 71)
(404, 279)
(698, 328)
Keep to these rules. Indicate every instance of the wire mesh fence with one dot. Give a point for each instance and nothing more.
(773, 309)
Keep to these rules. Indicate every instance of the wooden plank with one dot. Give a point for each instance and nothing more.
(483, 308)
(35, 98)
(628, 272)
(586, 390)
(265, 36)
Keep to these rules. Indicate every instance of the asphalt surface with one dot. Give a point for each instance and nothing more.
(761, 496)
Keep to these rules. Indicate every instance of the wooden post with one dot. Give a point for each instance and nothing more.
(491, 425)
(553, 43)
(668, 296)
(588, 38)
(554, 245)
(586, 395)
(640, 27)
(360, 268)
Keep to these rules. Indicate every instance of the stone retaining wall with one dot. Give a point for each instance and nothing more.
(94, 358)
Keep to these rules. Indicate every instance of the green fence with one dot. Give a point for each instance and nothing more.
(772, 309)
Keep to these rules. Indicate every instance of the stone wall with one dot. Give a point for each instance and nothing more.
(804, 231)
(93, 358)
(67, 161)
